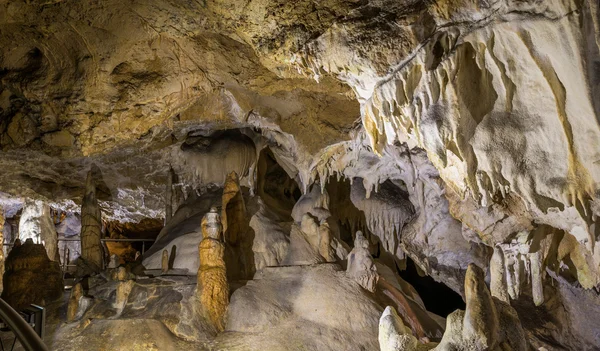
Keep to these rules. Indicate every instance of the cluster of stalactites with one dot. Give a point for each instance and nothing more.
(514, 266)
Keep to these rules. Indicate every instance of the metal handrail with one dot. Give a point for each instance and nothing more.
(22, 330)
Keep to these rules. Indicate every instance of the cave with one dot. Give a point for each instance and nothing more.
(437, 297)
(309, 175)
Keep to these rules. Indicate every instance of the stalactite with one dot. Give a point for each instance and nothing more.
(537, 287)
(498, 277)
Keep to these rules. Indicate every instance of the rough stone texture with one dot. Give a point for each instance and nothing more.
(31, 277)
(36, 223)
(154, 316)
(91, 227)
(331, 311)
(213, 288)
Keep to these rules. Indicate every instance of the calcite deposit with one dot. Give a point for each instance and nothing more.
(241, 147)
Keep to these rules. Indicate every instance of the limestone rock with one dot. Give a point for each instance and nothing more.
(78, 303)
(91, 226)
(212, 287)
(311, 307)
(31, 277)
(165, 261)
(237, 233)
(271, 240)
(360, 264)
(487, 324)
(73, 305)
(394, 336)
(36, 223)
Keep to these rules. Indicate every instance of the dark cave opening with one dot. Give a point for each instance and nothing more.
(437, 297)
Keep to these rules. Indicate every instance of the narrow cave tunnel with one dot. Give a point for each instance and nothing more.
(437, 297)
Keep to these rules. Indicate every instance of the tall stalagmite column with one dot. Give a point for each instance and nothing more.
(236, 230)
(91, 227)
(212, 287)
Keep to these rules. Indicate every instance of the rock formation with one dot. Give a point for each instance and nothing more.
(213, 289)
(236, 230)
(486, 324)
(31, 277)
(393, 335)
(360, 264)
(448, 132)
(165, 261)
(78, 303)
(91, 227)
(36, 223)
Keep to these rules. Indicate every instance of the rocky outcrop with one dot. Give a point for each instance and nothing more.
(91, 227)
(212, 288)
(30, 277)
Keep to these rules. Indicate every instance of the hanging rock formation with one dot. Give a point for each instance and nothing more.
(91, 227)
(212, 288)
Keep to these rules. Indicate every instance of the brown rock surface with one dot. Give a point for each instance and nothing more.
(30, 277)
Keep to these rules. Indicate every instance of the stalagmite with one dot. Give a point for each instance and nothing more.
(114, 261)
(165, 261)
(36, 223)
(78, 303)
(212, 287)
(236, 230)
(91, 227)
(497, 272)
(480, 324)
(360, 264)
(325, 237)
(393, 334)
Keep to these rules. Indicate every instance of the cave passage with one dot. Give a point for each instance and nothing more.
(437, 297)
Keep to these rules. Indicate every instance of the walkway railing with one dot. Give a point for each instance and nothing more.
(66, 252)
(30, 340)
